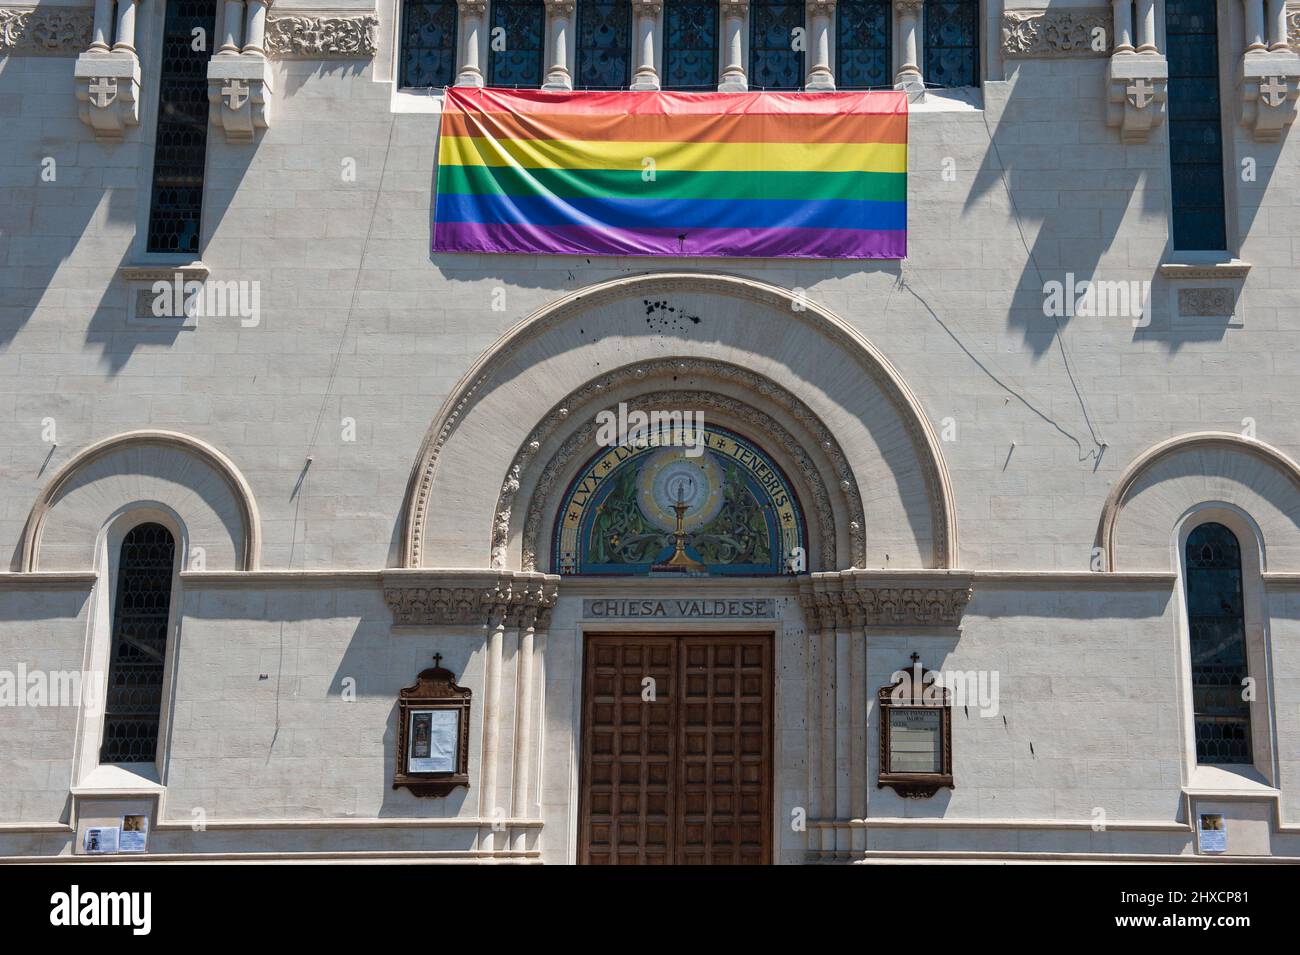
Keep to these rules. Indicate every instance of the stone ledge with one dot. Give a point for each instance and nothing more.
(194, 271)
(1191, 269)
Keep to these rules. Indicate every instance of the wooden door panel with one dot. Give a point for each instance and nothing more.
(686, 778)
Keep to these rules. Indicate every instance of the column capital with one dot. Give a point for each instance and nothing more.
(647, 8)
(734, 8)
(472, 8)
(913, 7)
(559, 8)
(821, 8)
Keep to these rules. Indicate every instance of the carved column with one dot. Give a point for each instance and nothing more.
(1123, 16)
(471, 17)
(255, 34)
(239, 77)
(124, 42)
(820, 78)
(559, 13)
(735, 13)
(1136, 80)
(232, 28)
(1277, 38)
(646, 14)
(909, 76)
(1146, 26)
(103, 26)
(108, 77)
(1268, 78)
(830, 618)
(1254, 14)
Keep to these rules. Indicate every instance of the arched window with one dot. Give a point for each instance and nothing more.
(1195, 126)
(519, 26)
(774, 63)
(428, 43)
(133, 703)
(952, 43)
(862, 44)
(181, 138)
(1217, 629)
(690, 44)
(604, 44)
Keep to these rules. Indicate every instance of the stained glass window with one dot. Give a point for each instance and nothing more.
(181, 141)
(516, 43)
(1195, 126)
(690, 45)
(133, 705)
(428, 43)
(774, 63)
(1216, 624)
(952, 43)
(862, 44)
(604, 44)
(655, 506)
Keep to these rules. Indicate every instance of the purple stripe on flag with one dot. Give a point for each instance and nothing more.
(596, 240)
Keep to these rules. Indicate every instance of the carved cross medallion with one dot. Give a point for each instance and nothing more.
(103, 91)
(1140, 93)
(236, 93)
(1273, 91)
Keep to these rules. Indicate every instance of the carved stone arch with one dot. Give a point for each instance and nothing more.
(843, 380)
(189, 476)
(564, 438)
(1163, 483)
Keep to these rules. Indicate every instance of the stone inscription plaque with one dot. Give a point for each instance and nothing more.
(706, 608)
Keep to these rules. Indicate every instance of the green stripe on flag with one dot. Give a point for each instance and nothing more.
(670, 184)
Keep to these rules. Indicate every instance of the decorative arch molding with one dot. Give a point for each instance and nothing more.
(820, 505)
(521, 355)
(189, 476)
(1163, 483)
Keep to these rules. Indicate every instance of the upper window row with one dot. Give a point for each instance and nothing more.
(603, 34)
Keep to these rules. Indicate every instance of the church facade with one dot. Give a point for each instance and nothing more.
(324, 545)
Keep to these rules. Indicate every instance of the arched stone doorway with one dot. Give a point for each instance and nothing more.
(813, 445)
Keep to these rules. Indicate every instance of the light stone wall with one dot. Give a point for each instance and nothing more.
(1089, 678)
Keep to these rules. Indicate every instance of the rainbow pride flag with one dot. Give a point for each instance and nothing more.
(805, 175)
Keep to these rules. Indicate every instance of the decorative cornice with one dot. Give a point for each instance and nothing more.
(45, 31)
(1052, 33)
(859, 599)
(648, 371)
(470, 598)
(321, 38)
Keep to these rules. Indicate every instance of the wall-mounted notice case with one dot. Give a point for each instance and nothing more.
(433, 733)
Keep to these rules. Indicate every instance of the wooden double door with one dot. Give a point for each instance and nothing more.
(676, 750)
